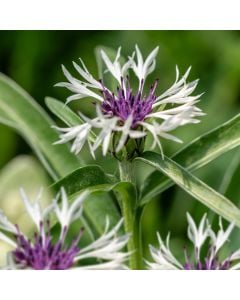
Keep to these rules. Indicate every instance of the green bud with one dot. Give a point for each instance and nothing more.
(131, 149)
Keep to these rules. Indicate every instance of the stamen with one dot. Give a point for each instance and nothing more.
(125, 103)
(42, 254)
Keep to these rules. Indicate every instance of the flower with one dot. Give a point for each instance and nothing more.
(43, 252)
(164, 259)
(124, 114)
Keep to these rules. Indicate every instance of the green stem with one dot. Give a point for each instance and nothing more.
(132, 218)
(126, 171)
(138, 239)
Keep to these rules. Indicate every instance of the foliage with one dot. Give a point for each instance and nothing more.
(173, 180)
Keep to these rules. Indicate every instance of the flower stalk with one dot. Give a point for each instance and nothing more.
(132, 217)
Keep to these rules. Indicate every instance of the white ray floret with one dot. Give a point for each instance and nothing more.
(5, 224)
(221, 237)
(143, 68)
(66, 214)
(107, 247)
(163, 257)
(78, 134)
(79, 88)
(34, 209)
(197, 235)
(115, 67)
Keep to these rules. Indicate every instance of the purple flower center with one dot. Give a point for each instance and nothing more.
(42, 253)
(125, 103)
(210, 263)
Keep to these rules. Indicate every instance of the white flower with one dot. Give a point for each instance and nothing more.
(164, 259)
(43, 253)
(132, 115)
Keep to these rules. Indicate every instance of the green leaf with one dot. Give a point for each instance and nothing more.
(63, 112)
(195, 155)
(229, 173)
(83, 178)
(193, 186)
(20, 111)
(99, 204)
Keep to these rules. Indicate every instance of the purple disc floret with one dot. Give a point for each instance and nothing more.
(126, 103)
(42, 253)
(210, 262)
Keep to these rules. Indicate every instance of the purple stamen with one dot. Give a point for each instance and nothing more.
(125, 103)
(210, 263)
(42, 253)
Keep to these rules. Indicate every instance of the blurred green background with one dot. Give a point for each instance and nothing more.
(33, 59)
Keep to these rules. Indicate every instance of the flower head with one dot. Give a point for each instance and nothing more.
(125, 114)
(164, 259)
(42, 252)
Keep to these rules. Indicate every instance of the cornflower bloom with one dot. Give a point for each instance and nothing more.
(124, 117)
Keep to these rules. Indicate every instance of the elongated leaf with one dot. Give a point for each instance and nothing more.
(227, 179)
(63, 112)
(196, 154)
(195, 187)
(83, 178)
(19, 110)
(229, 173)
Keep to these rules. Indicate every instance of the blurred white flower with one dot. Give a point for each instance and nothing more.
(163, 258)
(41, 252)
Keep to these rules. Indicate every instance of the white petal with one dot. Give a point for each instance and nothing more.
(143, 68)
(78, 87)
(107, 247)
(219, 239)
(7, 240)
(125, 129)
(33, 208)
(163, 258)
(5, 224)
(179, 92)
(87, 76)
(197, 235)
(78, 134)
(66, 213)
